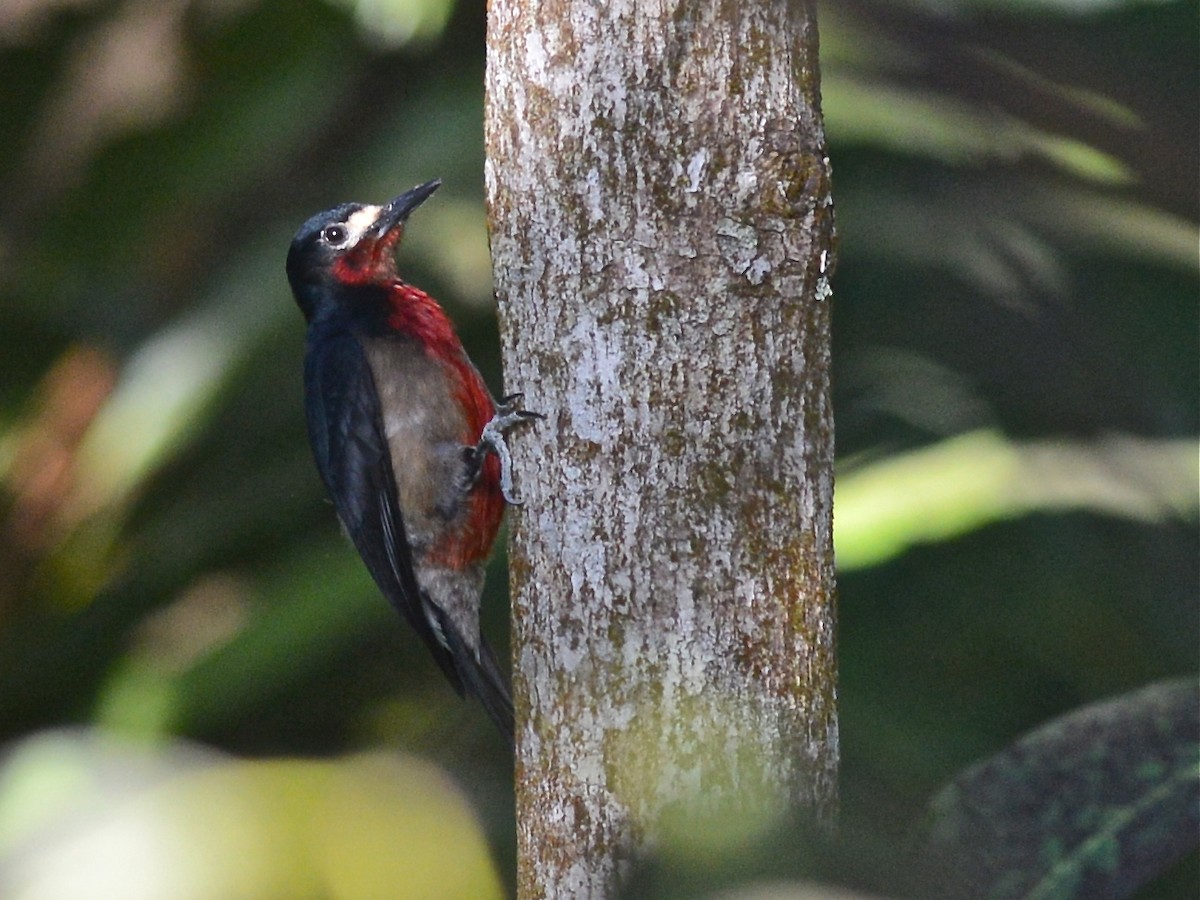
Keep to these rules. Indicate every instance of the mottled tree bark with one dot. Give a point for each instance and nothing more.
(661, 228)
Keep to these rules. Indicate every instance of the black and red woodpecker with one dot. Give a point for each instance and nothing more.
(406, 436)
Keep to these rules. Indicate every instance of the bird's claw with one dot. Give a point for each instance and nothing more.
(508, 413)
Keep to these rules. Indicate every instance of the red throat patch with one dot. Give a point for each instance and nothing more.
(370, 261)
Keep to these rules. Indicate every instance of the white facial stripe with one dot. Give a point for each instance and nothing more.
(361, 221)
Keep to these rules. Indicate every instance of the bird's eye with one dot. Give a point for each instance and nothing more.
(334, 235)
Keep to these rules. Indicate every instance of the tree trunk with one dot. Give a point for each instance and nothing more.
(661, 228)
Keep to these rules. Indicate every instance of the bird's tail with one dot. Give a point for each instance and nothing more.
(482, 678)
(486, 682)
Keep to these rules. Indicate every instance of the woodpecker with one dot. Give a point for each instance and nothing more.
(406, 436)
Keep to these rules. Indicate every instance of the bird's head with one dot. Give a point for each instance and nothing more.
(352, 244)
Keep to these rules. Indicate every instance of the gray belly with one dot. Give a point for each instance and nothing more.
(424, 425)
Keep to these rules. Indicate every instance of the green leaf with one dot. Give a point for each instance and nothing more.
(1094, 804)
(961, 484)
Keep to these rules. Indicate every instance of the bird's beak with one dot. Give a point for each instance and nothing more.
(395, 213)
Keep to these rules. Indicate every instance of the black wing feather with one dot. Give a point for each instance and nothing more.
(346, 429)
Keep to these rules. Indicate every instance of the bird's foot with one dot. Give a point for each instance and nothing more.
(508, 414)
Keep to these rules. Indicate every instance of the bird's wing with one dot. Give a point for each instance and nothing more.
(346, 430)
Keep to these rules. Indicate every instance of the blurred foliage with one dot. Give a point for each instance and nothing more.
(1095, 804)
(1015, 369)
(970, 480)
(185, 823)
